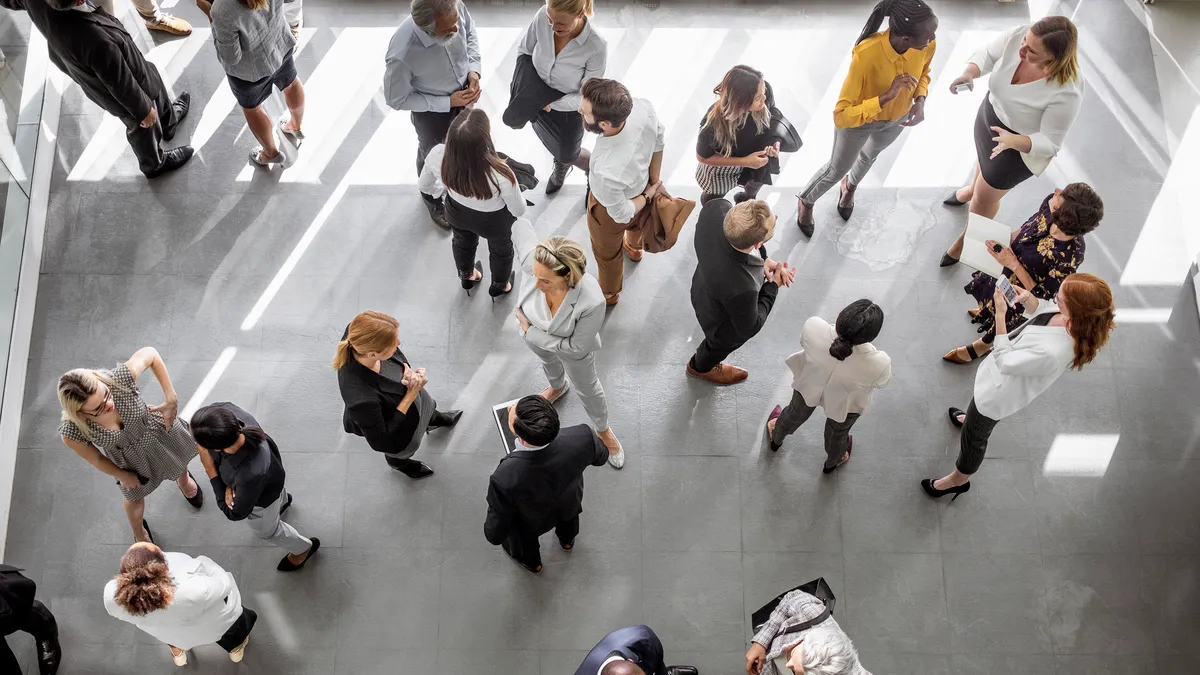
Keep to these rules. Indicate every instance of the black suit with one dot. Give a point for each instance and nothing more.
(534, 491)
(635, 643)
(20, 611)
(728, 293)
(371, 401)
(95, 51)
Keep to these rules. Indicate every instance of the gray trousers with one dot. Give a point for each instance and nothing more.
(265, 523)
(837, 434)
(582, 373)
(854, 151)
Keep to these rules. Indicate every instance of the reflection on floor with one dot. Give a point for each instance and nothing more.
(1078, 550)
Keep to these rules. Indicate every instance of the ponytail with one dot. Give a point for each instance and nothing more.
(342, 357)
(857, 324)
(903, 17)
(841, 348)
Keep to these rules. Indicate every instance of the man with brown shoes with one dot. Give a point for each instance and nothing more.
(729, 294)
(155, 18)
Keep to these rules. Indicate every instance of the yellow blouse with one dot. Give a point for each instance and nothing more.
(874, 66)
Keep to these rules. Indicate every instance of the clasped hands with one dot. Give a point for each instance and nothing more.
(778, 272)
(759, 159)
(468, 96)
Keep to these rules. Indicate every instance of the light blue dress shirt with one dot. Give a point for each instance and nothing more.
(421, 74)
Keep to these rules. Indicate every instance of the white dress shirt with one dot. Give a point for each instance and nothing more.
(1019, 369)
(839, 387)
(1041, 110)
(620, 164)
(205, 605)
(584, 57)
(509, 196)
(421, 73)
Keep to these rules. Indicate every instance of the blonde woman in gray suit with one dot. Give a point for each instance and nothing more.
(560, 311)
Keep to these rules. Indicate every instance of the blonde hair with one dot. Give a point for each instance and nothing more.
(144, 584)
(1061, 40)
(731, 112)
(564, 257)
(257, 4)
(577, 7)
(370, 331)
(74, 389)
(748, 223)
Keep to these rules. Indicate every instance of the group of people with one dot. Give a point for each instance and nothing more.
(1058, 320)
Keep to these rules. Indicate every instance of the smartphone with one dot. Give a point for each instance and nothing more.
(1010, 293)
(960, 88)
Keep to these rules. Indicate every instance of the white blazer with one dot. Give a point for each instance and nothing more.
(205, 605)
(1019, 369)
(574, 331)
(840, 387)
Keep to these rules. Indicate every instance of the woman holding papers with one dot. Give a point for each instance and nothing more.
(1045, 250)
(1063, 333)
(1033, 99)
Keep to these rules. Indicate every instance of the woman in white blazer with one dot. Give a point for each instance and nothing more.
(182, 601)
(1033, 99)
(1063, 333)
(837, 369)
(560, 311)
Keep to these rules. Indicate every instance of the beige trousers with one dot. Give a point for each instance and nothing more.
(147, 8)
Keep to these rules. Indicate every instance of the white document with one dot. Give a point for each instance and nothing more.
(975, 253)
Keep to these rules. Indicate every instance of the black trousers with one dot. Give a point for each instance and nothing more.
(39, 623)
(147, 143)
(712, 351)
(239, 631)
(837, 434)
(467, 226)
(973, 441)
(561, 132)
(523, 544)
(431, 129)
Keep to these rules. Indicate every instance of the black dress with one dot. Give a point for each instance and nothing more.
(748, 140)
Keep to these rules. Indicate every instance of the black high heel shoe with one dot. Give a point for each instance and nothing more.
(512, 283)
(953, 200)
(934, 493)
(470, 284)
(954, 413)
(947, 260)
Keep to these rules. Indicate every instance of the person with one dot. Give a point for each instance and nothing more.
(560, 311)
(152, 16)
(539, 486)
(107, 423)
(623, 177)
(293, 11)
(180, 600)
(433, 67)
(385, 398)
(838, 369)
(884, 92)
(247, 477)
(91, 47)
(254, 44)
(820, 649)
(566, 51)
(1064, 333)
(736, 145)
(633, 650)
(481, 198)
(1033, 98)
(1045, 250)
(729, 294)
(20, 610)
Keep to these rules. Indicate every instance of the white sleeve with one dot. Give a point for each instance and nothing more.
(993, 51)
(430, 182)
(594, 67)
(527, 43)
(612, 198)
(1057, 119)
(513, 199)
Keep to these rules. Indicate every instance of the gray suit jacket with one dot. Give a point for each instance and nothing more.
(575, 330)
(251, 44)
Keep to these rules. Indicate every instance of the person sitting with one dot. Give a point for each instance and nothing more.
(821, 649)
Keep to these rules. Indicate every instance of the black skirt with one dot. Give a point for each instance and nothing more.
(1007, 170)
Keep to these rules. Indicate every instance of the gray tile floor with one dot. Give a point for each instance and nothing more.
(1032, 572)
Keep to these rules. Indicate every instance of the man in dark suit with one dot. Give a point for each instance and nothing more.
(539, 486)
(20, 611)
(93, 49)
(635, 650)
(729, 294)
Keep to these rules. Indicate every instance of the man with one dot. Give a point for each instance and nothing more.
(623, 179)
(433, 71)
(728, 292)
(20, 611)
(155, 18)
(247, 476)
(94, 50)
(635, 650)
(539, 486)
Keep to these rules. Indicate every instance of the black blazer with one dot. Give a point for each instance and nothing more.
(635, 643)
(527, 94)
(534, 490)
(729, 293)
(16, 599)
(371, 401)
(95, 51)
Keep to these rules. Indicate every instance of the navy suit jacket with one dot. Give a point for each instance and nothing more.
(636, 643)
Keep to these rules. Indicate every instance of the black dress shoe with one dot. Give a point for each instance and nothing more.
(437, 212)
(557, 177)
(444, 419)
(49, 653)
(410, 467)
(196, 500)
(682, 670)
(172, 159)
(180, 105)
(286, 565)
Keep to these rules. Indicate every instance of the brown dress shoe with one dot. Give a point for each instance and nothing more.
(612, 299)
(635, 254)
(722, 374)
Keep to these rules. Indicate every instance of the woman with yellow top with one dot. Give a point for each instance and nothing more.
(883, 92)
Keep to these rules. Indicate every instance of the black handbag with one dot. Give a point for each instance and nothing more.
(818, 588)
(781, 128)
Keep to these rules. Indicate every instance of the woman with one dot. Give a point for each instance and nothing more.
(1045, 250)
(883, 93)
(560, 312)
(106, 422)
(180, 600)
(1033, 99)
(483, 201)
(254, 44)
(837, 369)
(1063, 333)
(820, 649)
(566, 51)
(385, 398)
(736, 145)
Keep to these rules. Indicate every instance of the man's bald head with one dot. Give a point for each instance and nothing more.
(622, 668)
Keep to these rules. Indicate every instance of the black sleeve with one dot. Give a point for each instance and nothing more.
(747, 313)
(706, 141)
(600, 451)
(218, 487)
(385, 435)
(245, 497)
(499, 516)
(650, 650)
(108, 63)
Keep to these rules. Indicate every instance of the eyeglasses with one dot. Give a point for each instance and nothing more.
(103, 405)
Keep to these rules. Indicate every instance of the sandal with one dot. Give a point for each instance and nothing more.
(296, 135)
(256, 156)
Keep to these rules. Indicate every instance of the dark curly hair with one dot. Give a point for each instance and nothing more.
(144, 584)
(1081, 210)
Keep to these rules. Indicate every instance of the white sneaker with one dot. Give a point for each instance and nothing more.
(618, 460)
(239, 651)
